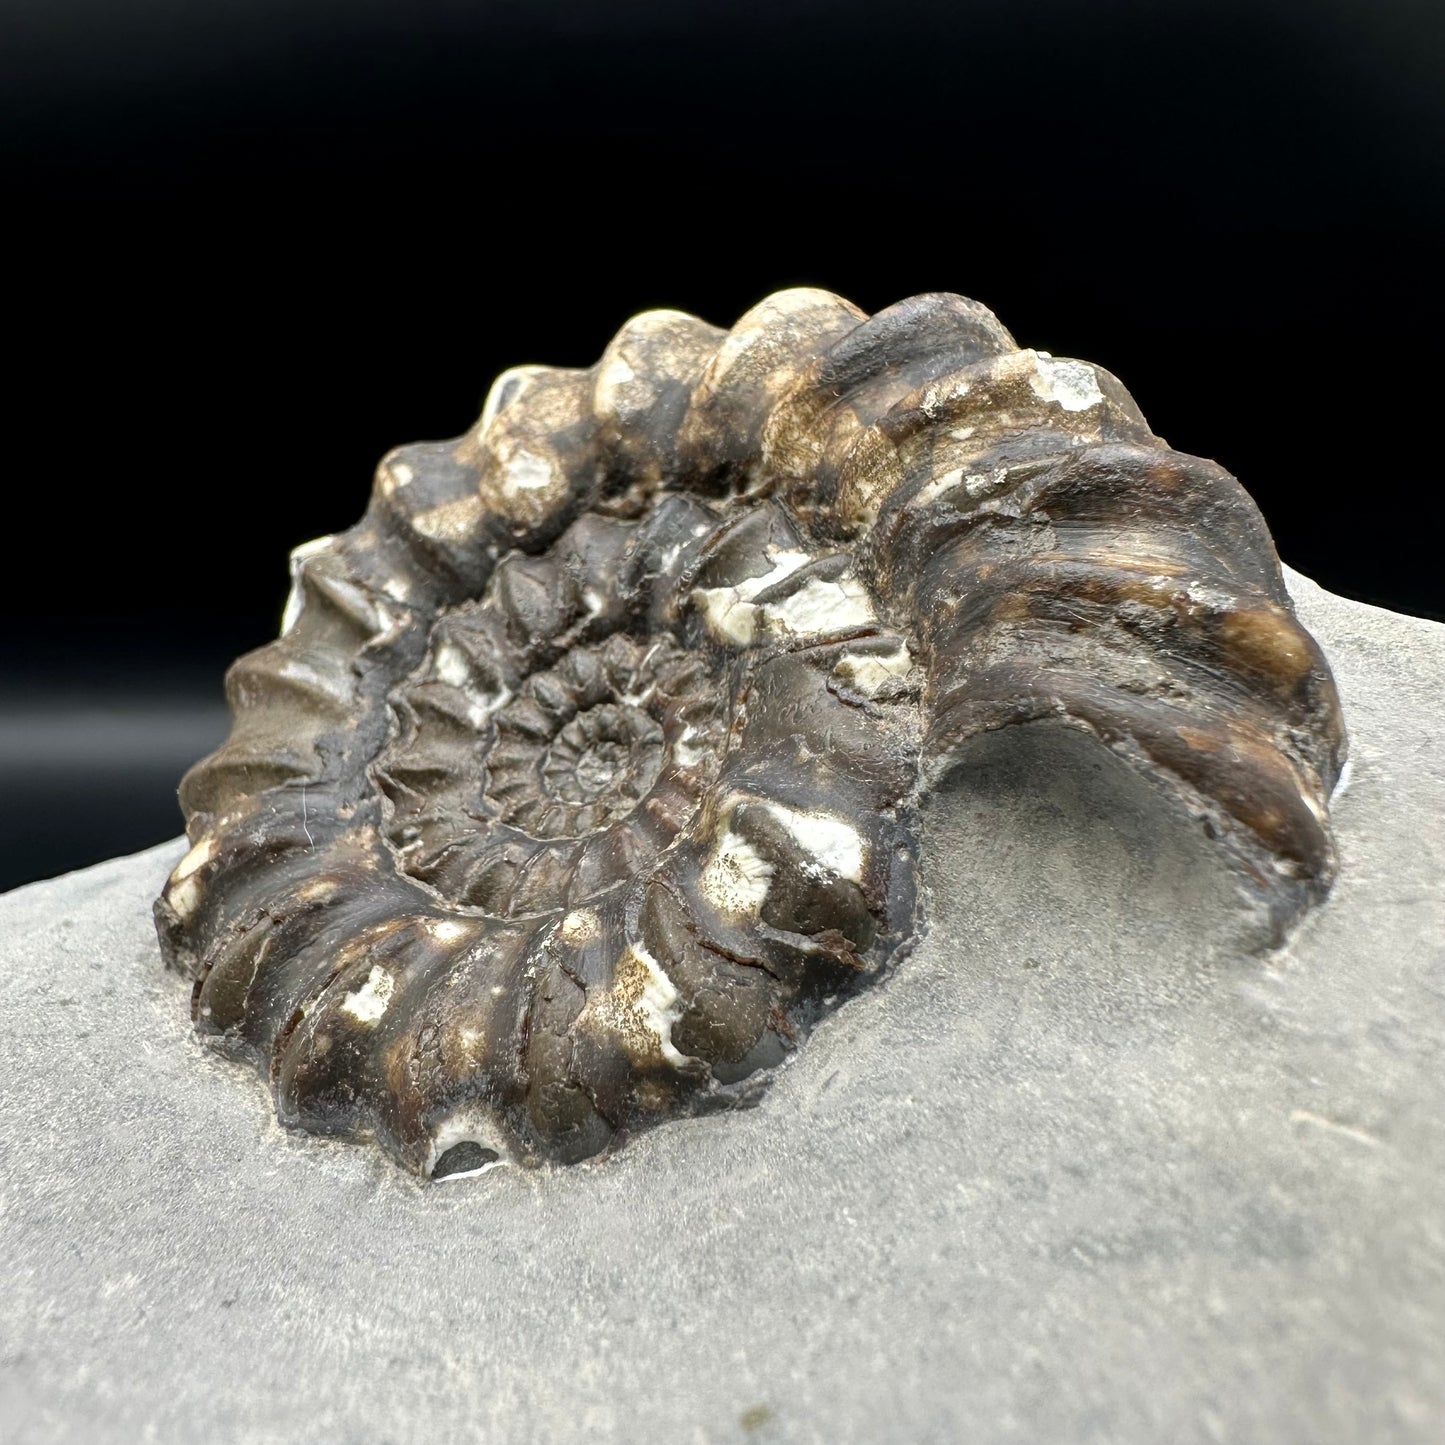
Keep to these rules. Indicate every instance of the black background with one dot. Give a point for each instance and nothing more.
(257, 244)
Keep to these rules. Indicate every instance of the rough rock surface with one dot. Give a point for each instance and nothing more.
(1082, 1169)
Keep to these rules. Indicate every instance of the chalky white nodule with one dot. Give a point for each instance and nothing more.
(586, 771)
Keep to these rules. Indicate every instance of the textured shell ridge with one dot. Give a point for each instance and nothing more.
(586, 773)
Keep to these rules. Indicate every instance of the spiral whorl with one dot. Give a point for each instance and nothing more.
(587, 767)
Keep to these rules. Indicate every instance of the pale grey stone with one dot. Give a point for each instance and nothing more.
(1083, 1169)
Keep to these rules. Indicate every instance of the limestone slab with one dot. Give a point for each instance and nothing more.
(1084, 1168)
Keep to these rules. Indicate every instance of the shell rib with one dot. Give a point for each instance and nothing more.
(586, 771)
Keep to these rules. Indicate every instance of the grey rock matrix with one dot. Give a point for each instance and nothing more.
(1083, 1169)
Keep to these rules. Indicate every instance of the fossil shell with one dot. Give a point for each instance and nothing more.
(587, 768)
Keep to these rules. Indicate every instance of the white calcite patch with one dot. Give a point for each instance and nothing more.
(291, 614)
(301, 671)
(938, 486)
(456, 521)
(318, 890)
(1069, 384)
(641, 696)
(656, 1006)
(614, 379)
(195, 860)
(685, 751)
(937, 396)
(184, 889)
(509, 387)
(362, 602)
(1201, 594)
(833, 844)
(184, 897)
(397, 586)
(525, 471)
(447, 930)
(580, 926)
(467, 1126)
(976, 485)
(396, 476)
(1342, 783)
(483, 704)
(819, 607)
(729, 612)
(453, 667)
(617, 372)
(735, 878)
(984, 484)
(368, 1003)
(813, 609)
(623, 390)
(870, 672)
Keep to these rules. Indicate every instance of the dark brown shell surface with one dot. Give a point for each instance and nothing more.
(586, 771)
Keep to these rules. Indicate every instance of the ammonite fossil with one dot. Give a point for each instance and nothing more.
(586, 771)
